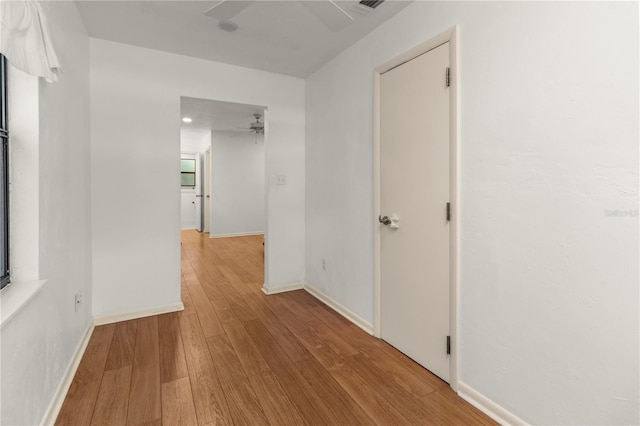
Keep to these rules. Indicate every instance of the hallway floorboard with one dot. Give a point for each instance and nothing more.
(237, 356)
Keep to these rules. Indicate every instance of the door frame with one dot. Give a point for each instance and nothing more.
(206, 172)
(451, 35)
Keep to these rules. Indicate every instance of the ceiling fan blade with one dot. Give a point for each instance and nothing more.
(329, 13)
(227, 9)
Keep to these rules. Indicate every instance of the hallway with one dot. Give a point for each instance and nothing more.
(237, 356)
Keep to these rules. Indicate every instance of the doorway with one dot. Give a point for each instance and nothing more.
(416, 204)
(228, 142)
(206, 218)
(190, 189)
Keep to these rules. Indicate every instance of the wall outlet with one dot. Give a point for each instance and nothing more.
(78, 301)
(324, 264)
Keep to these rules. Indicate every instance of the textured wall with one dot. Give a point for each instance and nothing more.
(549, 152)
(39, 342)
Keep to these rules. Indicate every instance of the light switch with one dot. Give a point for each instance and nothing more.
(281, 179)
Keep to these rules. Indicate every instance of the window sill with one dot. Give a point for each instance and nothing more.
(16, 296)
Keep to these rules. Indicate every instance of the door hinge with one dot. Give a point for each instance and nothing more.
(448, 78)
(448, 345)
(448, 212)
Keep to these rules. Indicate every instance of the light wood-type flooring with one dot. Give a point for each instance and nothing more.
(237, 356)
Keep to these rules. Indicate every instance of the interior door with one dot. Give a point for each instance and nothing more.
(414, 192)
(198, 190)
(207, 190)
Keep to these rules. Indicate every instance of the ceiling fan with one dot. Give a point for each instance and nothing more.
(256, 127)
(331, 14)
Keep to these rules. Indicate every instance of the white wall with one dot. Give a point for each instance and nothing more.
(194, 140)
(237, 189)
(549, 144)
(39, 342)
(136, 214)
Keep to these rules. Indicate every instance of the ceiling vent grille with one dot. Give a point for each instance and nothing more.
(371, 3)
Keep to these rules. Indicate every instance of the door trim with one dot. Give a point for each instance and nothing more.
(451, 35)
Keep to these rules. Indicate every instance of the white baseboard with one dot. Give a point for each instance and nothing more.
(281, 288)
(125, 316)
(237, 234)
(339, 308)
(487, 406)
(60, 393)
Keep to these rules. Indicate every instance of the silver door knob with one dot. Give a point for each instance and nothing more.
(393, 222)
(384, 220)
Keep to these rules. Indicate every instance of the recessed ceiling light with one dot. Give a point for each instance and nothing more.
(186, 120)
(228, 26)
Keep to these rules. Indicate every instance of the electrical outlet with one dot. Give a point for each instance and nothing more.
(324, 264)
(78, 301)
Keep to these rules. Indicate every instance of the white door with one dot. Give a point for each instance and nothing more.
(187, 208)
(414, 187)
(198, 190)
(207, 190)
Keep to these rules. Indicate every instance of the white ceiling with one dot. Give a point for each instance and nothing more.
(277, 36)
(217, 116)
(208, 115)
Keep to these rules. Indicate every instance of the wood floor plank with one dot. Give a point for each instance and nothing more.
(274, 401)
(243, 404)
(368, 398)
(396, 395)
(329, 358)
(113, 398)
(331, 397)
(403, 370)
(252, 361)
(208, 395)
(208, 319)
(276, 357)
(283, 359)
(177, 403)
(224, 356)
(284, 308)
(173, 364)
(144, 398)
(81, 398)
(186, 301)
(282, 334)
(239, 307)
(122, 345)
(301, 299)
(305, 399)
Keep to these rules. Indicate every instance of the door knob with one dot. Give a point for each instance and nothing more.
(393, 221)
(384, 220)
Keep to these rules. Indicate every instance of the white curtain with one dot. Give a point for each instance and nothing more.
(25, 38)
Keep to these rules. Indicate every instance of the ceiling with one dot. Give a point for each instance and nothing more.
(284, 37)
(217, 116)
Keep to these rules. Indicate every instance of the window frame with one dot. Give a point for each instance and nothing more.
(5, 276)
(188, 173)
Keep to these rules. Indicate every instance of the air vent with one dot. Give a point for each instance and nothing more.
(366, 7)
(371, 3)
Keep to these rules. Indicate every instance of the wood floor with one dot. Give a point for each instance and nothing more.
(237, 356)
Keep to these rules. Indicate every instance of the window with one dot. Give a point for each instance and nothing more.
(4, 176)
(188, 172)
